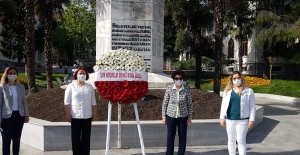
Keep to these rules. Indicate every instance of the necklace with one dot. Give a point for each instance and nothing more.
(238, 90)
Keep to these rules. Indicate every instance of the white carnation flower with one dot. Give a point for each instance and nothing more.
(125, 59)
(117, 52)
(139, 68)
(135, 63)
(112, 68)
(95, 68)
(134, 68)
(128, 68)
(120, 59)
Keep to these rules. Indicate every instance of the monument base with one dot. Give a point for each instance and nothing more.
(159, 80)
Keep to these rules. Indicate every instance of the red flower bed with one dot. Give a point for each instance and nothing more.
(122, 91)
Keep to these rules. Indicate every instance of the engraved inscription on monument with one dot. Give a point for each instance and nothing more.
(136, 25)
(131, 37)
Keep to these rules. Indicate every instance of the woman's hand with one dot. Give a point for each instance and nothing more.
(26, 119)
(94, 118)
(223, 123)
(68, 118)
(250, 124)
(189, 121)
(94, 113)
(164, 121)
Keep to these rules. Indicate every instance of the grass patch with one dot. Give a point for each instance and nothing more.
(40, 80)
(279, 86)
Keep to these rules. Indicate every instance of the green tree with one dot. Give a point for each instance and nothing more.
(170, 31)
(63, 44)
(279, 32)
(80, 24)
(46, 9)
(219, 10)
(8, 9)
(13, 32)
(233, 9)
(191, 18)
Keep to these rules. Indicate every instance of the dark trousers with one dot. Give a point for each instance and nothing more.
(172, 123)
(81, 135)
(12, 131)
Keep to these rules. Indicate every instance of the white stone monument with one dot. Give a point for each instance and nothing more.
(136, 25)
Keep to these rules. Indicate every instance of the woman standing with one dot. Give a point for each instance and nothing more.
(237, 112)
(177, 111)
(81, 110)
(14, 110)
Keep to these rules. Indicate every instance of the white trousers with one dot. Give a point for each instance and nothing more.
(236, 132)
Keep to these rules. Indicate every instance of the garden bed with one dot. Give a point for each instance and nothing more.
(49, 105)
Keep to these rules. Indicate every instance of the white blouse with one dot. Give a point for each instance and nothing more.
(177, 100)
(13, 90)
(81, 99)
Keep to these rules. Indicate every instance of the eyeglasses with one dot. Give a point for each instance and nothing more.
(178, 78)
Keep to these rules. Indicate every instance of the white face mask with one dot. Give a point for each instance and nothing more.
(81, 77)
(178, 82)
(237, 82)
(12, 77)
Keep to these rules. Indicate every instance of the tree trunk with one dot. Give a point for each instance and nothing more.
(48, 43)
(198, 55)
(29, 45)
(266, 68)
(218, 20)
(198, 69)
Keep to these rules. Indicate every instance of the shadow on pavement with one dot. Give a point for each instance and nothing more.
(297, 152)
(215, 152)
(274, 111)
(262, 131)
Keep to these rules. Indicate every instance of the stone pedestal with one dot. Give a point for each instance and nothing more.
(159, 80)
(136, 25)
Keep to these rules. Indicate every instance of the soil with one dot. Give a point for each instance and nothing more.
(49, 105)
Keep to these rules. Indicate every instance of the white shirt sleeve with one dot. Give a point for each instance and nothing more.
(93, 96)
(68, 95)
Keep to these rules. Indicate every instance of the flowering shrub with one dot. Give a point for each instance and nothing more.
(250, 81)
(23, 80)
(114, 88)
